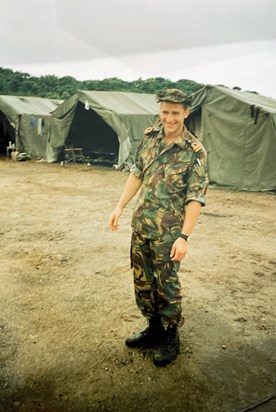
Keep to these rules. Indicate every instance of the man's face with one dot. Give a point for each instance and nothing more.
(172, 116)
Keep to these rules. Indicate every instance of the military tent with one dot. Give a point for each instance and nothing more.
(25, 122)
(104, 125)
(238, 130)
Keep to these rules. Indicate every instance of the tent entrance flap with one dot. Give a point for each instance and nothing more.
(90, 132)
(7, 133)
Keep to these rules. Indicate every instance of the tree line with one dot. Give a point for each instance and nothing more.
(53, 87)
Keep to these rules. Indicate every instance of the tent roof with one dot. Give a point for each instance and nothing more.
(117, 102)
(266, 104)
(28, 105)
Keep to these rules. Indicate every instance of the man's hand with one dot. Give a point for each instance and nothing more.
(132, 186)
(114, 218)
(179, 250)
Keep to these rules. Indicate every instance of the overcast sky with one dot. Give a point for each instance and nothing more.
(230, 42)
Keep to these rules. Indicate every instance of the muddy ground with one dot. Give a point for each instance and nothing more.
(67, 302)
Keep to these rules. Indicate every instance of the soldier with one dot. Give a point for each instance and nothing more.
(170, 169)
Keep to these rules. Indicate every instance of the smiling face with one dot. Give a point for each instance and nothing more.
(172, 116)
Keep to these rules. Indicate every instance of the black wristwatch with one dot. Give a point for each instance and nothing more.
(185, 237)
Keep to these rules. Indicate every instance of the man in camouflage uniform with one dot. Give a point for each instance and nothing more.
(170, 169)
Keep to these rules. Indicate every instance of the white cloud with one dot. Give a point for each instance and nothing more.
(84, 39)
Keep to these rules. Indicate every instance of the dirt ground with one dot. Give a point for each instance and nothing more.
(67, 301)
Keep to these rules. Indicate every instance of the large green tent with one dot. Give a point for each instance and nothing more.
(238, 130)
(103, 124)
(25, 122)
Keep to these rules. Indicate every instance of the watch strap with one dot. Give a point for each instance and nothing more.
(185, 237)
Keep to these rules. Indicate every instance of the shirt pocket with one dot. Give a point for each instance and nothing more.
(175, 177)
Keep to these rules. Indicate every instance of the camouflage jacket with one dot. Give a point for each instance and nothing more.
(172, 176)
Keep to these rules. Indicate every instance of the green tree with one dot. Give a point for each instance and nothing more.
(18, 83)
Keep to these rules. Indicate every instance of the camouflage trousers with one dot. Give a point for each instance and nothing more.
(156, 284)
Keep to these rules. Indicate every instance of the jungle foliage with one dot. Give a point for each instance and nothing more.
(51, 86)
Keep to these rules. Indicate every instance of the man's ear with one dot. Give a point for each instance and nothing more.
(187, 113)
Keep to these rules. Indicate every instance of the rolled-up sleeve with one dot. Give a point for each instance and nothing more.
(137, 168)
(136, 171)
(198, 180)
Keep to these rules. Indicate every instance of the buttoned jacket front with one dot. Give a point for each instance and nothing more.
(172, 176)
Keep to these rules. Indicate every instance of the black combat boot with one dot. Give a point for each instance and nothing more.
(151, 337)
(169, 349)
